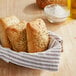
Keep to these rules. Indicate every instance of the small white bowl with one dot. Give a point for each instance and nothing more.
(54, 18)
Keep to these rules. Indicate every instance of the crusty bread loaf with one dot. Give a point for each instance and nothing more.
(4, 23)
(17, 36)
(37, 36)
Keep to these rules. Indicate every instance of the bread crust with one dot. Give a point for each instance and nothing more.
(37, 36)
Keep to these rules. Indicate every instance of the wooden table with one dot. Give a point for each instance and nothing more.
(27, 10)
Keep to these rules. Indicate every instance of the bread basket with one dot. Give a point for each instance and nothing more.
(47, 60)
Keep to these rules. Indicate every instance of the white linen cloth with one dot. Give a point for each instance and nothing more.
(47, 60)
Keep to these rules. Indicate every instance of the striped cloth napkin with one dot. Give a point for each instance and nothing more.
(47, 60)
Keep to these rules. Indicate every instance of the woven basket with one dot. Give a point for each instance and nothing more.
(43, 3)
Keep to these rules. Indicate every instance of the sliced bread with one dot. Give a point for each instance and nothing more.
(17, 36)
(4, 23)
(37, 36)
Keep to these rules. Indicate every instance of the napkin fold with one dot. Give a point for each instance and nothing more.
(47, 60)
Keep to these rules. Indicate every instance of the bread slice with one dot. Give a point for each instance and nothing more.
(37, 36)
(4, 23)
(17, 36)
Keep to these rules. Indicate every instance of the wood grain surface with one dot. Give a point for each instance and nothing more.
(27, 10)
